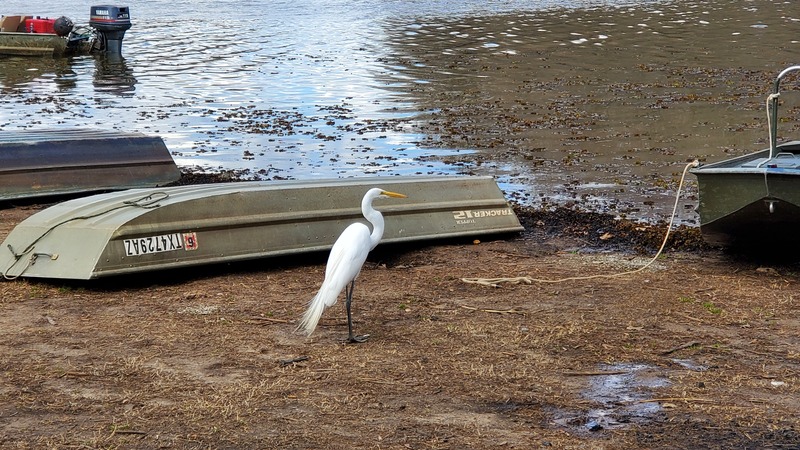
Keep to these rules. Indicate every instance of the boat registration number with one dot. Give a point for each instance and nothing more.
(162, 243)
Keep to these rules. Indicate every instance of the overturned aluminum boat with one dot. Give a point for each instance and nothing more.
(753, 200)
(151, 229)
(54, 162)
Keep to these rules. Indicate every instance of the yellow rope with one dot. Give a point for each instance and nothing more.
(493, 282)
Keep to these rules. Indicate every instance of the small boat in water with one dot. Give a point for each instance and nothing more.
(22, 35)
(141, 230)
(753, 201)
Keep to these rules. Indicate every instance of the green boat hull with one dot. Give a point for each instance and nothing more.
(752, 201)
(142, 230)
(32, 44)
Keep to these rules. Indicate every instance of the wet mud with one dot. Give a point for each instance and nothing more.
(603, 231)
(622, 395)
(698, 351)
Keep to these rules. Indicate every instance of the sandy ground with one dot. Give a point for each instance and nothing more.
(699, 350)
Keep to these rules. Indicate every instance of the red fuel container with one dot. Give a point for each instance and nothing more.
(40, 25)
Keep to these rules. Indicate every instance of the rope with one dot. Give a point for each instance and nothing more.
(147, 202)
(493, 282)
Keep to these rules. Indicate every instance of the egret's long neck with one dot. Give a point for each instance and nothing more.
(376, 219)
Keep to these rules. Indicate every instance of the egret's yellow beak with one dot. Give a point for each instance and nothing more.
(392, 194)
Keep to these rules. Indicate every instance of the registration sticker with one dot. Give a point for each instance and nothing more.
(190, 241)
(156, 244)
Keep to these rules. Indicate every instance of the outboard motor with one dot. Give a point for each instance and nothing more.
(110, 22)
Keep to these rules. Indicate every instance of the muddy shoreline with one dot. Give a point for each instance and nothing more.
(698, 351)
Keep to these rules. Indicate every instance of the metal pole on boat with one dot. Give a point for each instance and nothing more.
(773, 111)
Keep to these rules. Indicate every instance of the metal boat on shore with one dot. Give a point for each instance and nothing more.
(753, 201)
(142, 230)
(46, 163)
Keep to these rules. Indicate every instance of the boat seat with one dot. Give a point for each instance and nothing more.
(784, 160)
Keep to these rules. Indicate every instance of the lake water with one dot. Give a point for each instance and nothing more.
(596, 102)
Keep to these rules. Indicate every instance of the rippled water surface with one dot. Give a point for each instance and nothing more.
(596, 102)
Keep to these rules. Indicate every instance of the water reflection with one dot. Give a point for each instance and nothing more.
(113, 75)
(20, 74)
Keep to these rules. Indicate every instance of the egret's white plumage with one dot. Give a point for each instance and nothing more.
(347, 256)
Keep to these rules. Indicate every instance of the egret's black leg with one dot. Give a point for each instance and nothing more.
(351, 338)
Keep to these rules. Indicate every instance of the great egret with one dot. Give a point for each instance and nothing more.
(348, 254)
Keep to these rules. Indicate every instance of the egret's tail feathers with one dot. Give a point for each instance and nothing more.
(323, 299)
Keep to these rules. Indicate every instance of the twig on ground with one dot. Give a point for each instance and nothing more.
(675, 399)
(270, 319)
(592, 374)
(494, 311)
(696, 319)
(130, 432)
(286, 362)
(494, 282)
(376, 381)
(680, 347)
(74, 374)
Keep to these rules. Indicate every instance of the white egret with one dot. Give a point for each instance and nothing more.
(348, 254)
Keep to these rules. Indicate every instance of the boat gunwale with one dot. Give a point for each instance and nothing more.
(48, 134)
(25, 33)
(298, 217)
(734, 165)
(750, 171)
(177, 194)
(87, 165)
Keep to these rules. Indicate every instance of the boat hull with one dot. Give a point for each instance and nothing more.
(748, 202)
(53, 162)
(143, 230)
(32, 44)
(754, 227)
